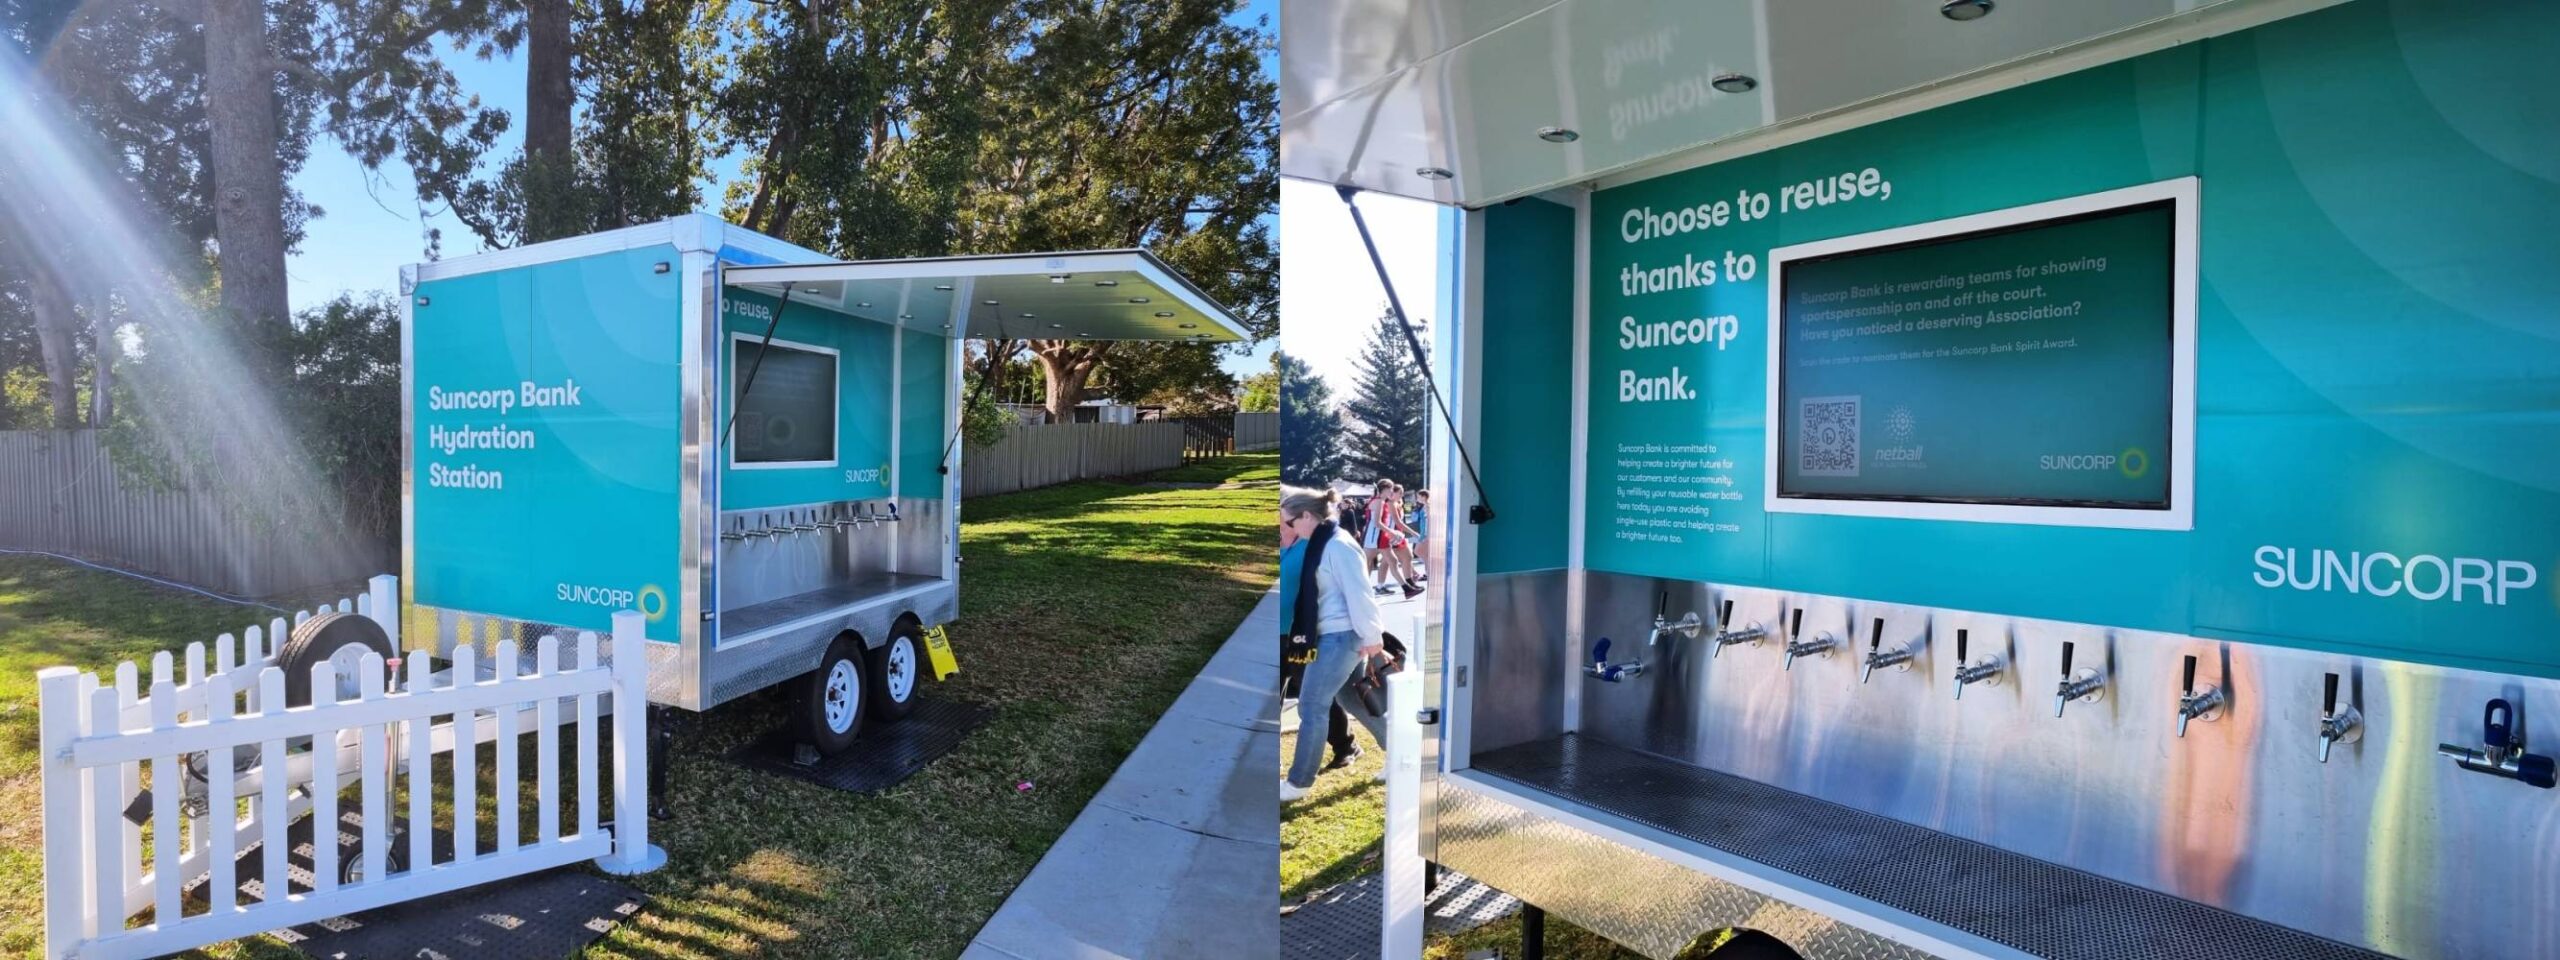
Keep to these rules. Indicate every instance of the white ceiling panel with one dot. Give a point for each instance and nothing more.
(1107, 295)
(1376, 92)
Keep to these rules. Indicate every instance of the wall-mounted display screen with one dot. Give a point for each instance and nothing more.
(785, 403)
(2025, 364)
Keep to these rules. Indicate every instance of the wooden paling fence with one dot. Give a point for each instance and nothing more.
(223, 734)
(60, 493)
(1041, 455)
(1257, 431)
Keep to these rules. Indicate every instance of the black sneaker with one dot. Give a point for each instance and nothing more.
(1411, 591)
(1341, 760)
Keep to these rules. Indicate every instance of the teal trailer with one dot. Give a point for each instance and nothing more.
(748, 442)
(1984, 479)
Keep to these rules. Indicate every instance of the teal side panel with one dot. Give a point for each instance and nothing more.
(555, 502)
(861, 470)
(1525, 399)
(2381, 372)
(923, 429)
(2378, 366)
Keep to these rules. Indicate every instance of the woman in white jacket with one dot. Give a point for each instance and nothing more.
(1334, 594)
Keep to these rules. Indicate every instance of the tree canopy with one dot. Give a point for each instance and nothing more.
(1389, 401)
(1310, 428)
(890, 128)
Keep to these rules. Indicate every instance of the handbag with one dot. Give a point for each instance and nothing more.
(1369, 681)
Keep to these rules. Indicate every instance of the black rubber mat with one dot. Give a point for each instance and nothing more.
(2041, 908)
(883, 756)
(540, 916)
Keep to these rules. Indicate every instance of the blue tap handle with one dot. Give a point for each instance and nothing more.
(2494, 724)
(1600, 651)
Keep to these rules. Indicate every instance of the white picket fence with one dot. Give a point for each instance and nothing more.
(96, 737)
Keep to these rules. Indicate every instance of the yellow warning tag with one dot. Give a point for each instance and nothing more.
(937, 648)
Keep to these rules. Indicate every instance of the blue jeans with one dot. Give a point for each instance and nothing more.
(1337, 655)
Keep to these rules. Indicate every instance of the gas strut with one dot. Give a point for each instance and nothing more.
(1481, 512)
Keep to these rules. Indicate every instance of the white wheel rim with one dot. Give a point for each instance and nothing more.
(844, 696)
(902, 668)
(348, 661)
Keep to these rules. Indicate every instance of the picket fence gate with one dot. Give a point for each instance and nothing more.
(97, 735)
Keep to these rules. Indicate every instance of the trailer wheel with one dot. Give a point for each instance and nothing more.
(341, 639)
(831, 697)
(1740, 943)
(896, 668)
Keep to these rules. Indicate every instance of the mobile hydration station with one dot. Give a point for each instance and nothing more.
(751, 444)
(2040, 480)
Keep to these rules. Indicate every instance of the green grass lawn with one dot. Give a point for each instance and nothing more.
(1084, 610)
(1332, 834)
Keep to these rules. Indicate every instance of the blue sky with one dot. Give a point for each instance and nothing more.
(372, 225)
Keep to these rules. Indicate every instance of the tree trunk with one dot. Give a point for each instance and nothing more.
(1068, 366)
(57, 334)
(550, 167)
(994, 364)
(248, 207)
(102, 383)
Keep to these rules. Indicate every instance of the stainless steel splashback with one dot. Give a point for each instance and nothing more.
(922, 534)
(1517, 680)
(2386, 845)
(786, 551)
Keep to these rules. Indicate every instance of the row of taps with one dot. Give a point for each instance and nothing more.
(838, 516)
(2503, 753)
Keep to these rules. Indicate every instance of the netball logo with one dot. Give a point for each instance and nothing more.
(1900, 423)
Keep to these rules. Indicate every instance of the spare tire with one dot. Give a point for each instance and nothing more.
(339, 638)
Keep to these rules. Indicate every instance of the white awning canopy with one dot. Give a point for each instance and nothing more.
(1097, 295)
(1472, 102)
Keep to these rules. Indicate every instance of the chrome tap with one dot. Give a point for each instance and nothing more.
(1819, 646)
(1877, 656)
(1687, 626)
(2337, 725)
(2504, 754)
(1601, 669)
(1969, 672)
(892, 515)
(1725, 636)
(2194, 704)
(790, 527)
(2084, 686)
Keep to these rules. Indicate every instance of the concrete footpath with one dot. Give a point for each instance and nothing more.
(1179, 855)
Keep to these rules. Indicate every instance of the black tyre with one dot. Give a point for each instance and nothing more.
(897, 669)
(1740, 944)
(831, 697)
(337, 638)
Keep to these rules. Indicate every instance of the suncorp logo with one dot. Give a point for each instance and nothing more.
(2133, 462)
(650, 600)
(2383, 574)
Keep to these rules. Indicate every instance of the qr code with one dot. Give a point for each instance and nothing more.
(1827, 436)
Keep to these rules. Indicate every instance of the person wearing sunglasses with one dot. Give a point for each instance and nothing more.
(1333, 595)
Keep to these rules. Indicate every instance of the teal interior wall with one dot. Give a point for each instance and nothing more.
(2378, 354)
(1526, 394)
(924, 375)
(565, 506)
(862, 416)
